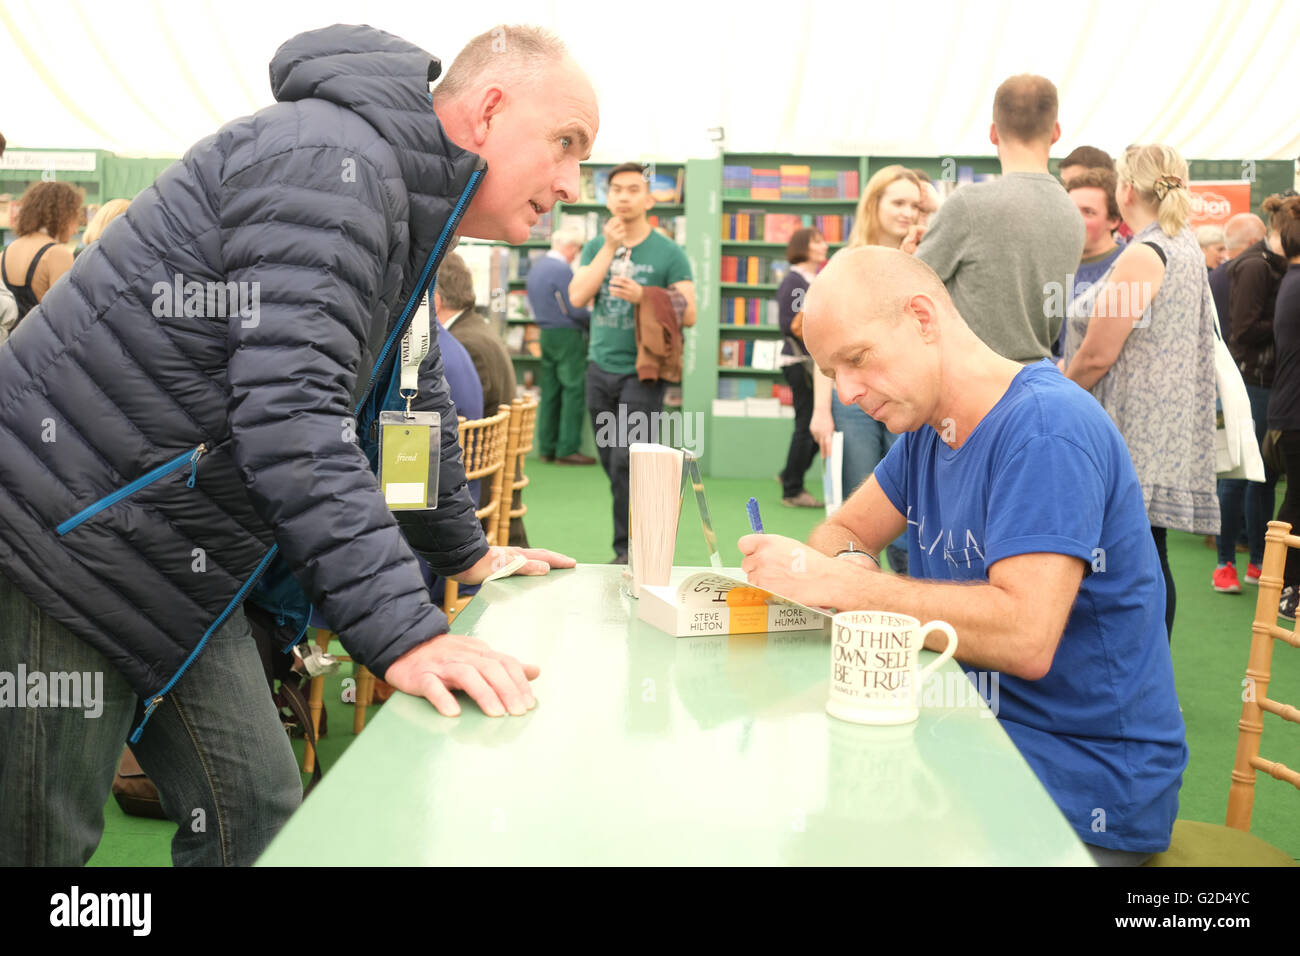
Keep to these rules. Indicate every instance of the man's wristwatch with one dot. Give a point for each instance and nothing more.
(852, 550)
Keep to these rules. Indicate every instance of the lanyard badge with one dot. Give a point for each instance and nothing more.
(410, 443)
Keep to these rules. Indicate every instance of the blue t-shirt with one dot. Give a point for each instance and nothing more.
(1102, 730)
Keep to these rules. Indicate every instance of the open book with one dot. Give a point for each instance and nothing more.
(712, 603)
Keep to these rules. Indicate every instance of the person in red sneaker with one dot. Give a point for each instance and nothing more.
(1225, 579)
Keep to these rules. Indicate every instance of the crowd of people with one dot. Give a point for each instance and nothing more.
(168, 466)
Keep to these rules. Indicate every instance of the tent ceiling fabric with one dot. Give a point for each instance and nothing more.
(147, 77)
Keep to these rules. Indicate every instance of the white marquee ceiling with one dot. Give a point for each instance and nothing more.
(1216, 80)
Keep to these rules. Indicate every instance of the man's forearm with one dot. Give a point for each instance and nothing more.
(586, 281)
(990, 635)
(831, 537)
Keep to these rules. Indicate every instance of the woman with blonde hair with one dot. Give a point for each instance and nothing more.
(1142, 341)
(887, 213)
(106, 214)
(889, 207)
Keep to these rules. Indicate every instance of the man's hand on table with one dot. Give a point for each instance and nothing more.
(497, 682)
(798, 571)
(539, 561)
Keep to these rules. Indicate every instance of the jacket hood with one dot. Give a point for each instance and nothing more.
(385, 80)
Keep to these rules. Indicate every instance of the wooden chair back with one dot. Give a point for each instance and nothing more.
(523, 415)
(483, 448)
(1255, 700)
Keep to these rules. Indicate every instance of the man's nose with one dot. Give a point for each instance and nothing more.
(848, 388)
(566, 185)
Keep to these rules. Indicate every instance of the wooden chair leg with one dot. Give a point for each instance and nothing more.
(365, 694)
(450, 594)
(315, 703)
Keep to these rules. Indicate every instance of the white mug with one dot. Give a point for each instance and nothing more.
(875, 675)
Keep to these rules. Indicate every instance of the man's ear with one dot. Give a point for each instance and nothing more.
(993, 133)
(437, 301)
(1056, 133)
(490, 104)
(923, 310)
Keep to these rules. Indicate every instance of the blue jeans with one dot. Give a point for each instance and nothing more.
(1253, 499)
(865, 443)
(215, 749)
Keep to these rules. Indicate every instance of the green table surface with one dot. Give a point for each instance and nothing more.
(650, 749)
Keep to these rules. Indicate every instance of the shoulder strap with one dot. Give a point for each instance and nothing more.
(36, 259)
(31, 269)
(1164, 260)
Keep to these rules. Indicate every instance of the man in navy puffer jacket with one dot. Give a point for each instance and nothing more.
(186, 423)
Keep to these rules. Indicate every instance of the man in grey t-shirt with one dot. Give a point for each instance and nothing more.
(1005, 249)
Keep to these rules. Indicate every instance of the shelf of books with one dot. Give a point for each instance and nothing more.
(750, 204)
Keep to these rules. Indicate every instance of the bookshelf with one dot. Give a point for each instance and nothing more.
(749, 203)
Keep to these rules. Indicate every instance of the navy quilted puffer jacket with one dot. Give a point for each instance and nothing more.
(160, 440)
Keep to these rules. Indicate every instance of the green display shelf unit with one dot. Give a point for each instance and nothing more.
(752, 448)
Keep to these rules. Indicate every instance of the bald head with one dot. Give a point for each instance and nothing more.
(880, 324)
(869, 283)
(1242, 230)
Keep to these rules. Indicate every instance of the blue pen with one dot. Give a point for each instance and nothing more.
(755, 520)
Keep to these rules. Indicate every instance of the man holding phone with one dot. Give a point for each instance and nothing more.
(615, 268)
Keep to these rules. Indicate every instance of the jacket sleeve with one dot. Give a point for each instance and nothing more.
(314, 251)
(1251, 326)
(450, 538)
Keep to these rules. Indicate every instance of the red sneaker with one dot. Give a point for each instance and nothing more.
(1225, 580)
(1252, 573)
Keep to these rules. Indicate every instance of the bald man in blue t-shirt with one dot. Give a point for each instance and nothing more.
(1060, 596)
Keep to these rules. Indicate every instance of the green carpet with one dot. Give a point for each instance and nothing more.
(569, 511)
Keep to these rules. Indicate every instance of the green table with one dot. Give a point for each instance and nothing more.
(649, 749)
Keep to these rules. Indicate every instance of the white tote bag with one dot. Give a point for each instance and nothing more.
(1236, 450)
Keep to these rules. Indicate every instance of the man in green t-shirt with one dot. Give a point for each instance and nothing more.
(615, 267)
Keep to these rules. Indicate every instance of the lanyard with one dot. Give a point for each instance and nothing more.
(415, 346)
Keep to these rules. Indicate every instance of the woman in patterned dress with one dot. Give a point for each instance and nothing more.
(1142, 341)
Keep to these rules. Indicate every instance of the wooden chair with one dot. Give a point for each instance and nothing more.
(365, 692)
(523, 413)
(483, 446)
(1205, 844)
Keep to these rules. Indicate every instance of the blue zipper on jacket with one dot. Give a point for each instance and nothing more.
(234, 603)
(421, 287)
(180, 460)
(190, 457)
